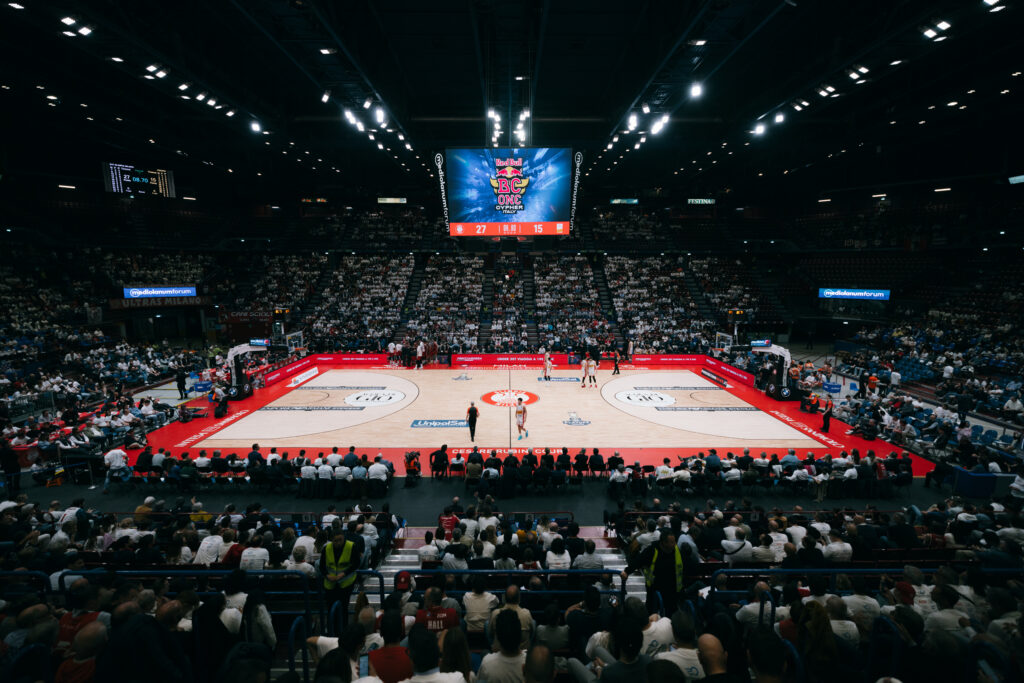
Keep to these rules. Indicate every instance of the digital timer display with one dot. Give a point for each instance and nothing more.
(132, 180)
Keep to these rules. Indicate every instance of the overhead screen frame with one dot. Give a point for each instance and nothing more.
(115, 184)
(455, 207)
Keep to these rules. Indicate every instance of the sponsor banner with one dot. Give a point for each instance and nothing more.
(159, 292)
(150, 302)
(287, 371)
(711, 409)
(211, 429)
(488, 359)
(832, 387)
(713, 377)
(575, 420)
(657, 359)
(677, 388)
(309, 408)
(729, 371)
(575, 380)
(861, 294)
(247, 317)
(760, 343)
(439, 424)
(300, 378)
(810, 431)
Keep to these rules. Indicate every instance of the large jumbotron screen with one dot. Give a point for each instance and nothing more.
(509, 191)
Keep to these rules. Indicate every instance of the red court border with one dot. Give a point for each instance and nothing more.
(180, 437)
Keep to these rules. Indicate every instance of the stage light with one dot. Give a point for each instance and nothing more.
(201, 96)
(229, 113)
(615, 139)
(151, 68)
(780, 117)
(823, 92)
(183, 86)
(526, 113)
(853, 75)
(66, 187)
(85, 30)
(367, 102)
(67, 21)
(878, 196)
(698, 43)
(830, 89)
(998, 8)
(70, 34)
(609, 146)
(326, 96)
(408, 146)
(14, 5)
(645, 108)
(379, 115)
(943, 189)
(116, 59)
(798, 107)
(349, 116)
(327, 50)
(632, 121)
(211, 103)
(380, 145)
(990, 2)
(943, 25)
(255, 126)
(824, 201)
(930, 33)
(160, 74)
(490, 113)
(759, 129)
(696, 90)
(359, 126)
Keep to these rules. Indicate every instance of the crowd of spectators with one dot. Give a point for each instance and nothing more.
(727, 283)
(569, 315)
(447, 309)
(283, 281)
(362, 304)
(508, 314)
(150, 269)
(655, 324)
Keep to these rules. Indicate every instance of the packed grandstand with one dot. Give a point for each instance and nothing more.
(223, 395)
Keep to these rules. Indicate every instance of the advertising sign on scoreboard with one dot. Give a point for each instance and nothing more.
(522, 191)
(259, 342)
(760, 343)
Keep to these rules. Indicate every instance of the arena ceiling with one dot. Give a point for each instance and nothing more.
(871, 94)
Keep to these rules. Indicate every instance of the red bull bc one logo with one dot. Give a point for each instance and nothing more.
(509, 185)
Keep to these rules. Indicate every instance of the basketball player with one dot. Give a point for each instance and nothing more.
(547, 366)
(521, 419)
(592, 371)
(420, 350)
(471, 415)
(585, 367)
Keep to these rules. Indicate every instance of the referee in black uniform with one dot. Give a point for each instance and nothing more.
(471, 415)
(615, 357)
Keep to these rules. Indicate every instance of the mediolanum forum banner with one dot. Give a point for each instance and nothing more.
(863, 294)
(509, 191)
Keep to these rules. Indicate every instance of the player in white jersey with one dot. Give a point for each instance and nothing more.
(592, 371)
(521, 419)
(547, 366)
(586, 371)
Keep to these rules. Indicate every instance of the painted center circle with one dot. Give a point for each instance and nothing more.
(374, 397)
(509, 397)
(637, 397)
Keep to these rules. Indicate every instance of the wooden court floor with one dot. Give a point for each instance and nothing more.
(380, 408)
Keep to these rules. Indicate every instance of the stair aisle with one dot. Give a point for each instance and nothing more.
(405, 556)
(411, 294)
(604, 295)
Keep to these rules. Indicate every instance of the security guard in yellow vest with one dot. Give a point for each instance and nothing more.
(338, 564)
(662, 565)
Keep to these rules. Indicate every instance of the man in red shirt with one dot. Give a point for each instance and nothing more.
(433, 616)
(448, 521)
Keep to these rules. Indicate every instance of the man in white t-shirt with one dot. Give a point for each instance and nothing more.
(209, 550)
(842, 626)
(683, 652)
(116, 461)
(738, 551)
(837, 549)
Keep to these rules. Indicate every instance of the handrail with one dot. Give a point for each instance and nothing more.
(770, 599)
(376, 574)
(834, 571)
(40, 576)
(524, 572)
(207, 572)
(299, 621)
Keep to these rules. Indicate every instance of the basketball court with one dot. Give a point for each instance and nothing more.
(646, 414)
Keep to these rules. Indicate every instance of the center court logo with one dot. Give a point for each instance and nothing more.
(644, 398)
(504, 398)
(374, 397)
